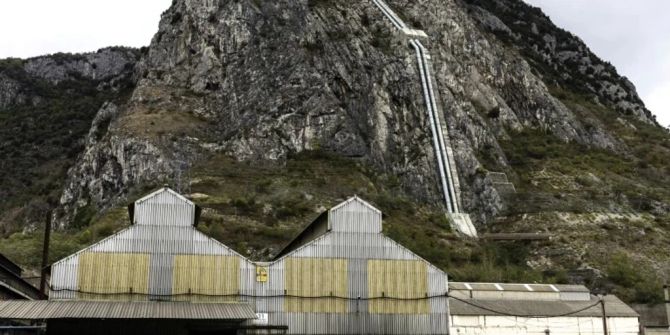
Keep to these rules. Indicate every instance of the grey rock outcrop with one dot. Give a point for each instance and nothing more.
(262, 79)
(104, 64)
(557, 55)
(10, 92)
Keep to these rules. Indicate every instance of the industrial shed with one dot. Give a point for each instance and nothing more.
(541, 309)
(343, 276)
(340, 275)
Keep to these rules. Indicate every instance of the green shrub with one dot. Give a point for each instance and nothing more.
(635, 282)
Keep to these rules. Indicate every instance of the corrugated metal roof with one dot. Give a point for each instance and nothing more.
(34, 310)
(9, 265)
(517, 287)
(540, 308)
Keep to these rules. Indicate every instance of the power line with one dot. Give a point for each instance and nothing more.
(525, 316)
(253, 296)
(285, 295)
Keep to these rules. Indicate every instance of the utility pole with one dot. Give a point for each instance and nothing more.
(666, 295)
(602, 305)
(45, 254)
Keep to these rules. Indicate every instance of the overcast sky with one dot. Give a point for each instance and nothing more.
(36, 27)
(632, 35)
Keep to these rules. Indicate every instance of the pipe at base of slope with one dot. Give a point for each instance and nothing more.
(431, 117)
(443, 146)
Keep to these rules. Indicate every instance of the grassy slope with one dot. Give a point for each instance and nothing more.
(608, 210)
(257, 209)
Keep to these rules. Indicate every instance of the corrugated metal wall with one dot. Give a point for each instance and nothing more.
(166, 208)
(369, 266)
(387, 288)
(352, 280)
(154, 259)
(355, 215)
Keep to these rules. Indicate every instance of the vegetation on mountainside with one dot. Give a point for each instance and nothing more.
(40, 139)
(25, 248)
(617, 201)
(551, 174)
(607, 210)
(258, 209)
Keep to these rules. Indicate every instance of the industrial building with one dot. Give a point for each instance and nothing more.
(340, 275)
(492, 308)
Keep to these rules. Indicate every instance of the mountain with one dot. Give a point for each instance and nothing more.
(47, 105)
(267, 112)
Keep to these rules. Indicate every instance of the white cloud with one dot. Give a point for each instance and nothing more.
(36, 27)
(658, 101)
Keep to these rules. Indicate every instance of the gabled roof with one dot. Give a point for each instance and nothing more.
(355, 198)
(319, 226)
(516, 287)
(540, 308)
(12, 282)
(131, 207)
(162, 190)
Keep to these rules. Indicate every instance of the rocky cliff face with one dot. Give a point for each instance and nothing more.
(557, 56)
(260, 80)
(263, 82)
(257, 92)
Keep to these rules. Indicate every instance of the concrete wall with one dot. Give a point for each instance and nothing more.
(656, 331)
(508, 325)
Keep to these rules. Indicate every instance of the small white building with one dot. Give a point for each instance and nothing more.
(537, 309)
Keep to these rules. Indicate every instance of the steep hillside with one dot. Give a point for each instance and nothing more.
(46, 108)
(267, 112)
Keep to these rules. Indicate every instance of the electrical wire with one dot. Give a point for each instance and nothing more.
(251, 296)
(526, 316)
(383, 297)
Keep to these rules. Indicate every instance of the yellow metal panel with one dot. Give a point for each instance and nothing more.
(207, 277)
(315, 277)
(261, 274)
(113, 273)
(398, 279)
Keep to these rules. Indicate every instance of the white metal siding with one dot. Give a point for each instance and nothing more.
(357, 249)
(355, 215)
(164, 208)
(162, 230)
(496, 325)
